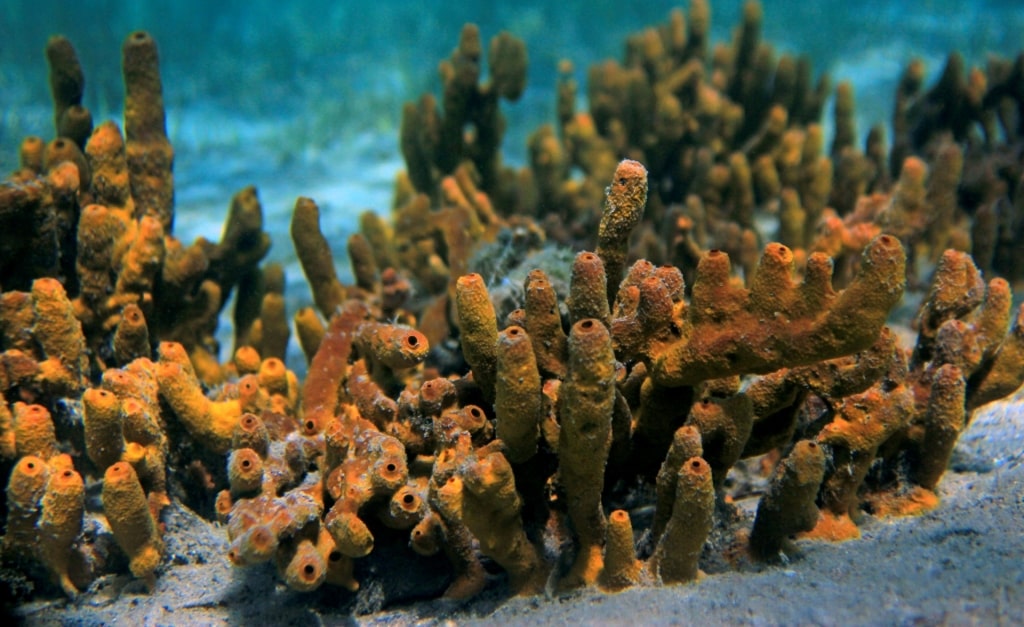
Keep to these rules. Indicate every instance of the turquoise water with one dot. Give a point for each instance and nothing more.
(316, 70)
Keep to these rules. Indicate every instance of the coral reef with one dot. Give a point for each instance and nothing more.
(584, 436)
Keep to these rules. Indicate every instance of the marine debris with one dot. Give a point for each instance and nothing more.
(727, 298)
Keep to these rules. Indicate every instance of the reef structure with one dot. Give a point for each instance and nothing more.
(529, 438)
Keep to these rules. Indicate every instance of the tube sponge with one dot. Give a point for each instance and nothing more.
(59, 333)
(63, 505)
(624, 207)
(943, 421)
(587, 399)
(483, 496)
(392, 345)
(686, 444)
(25, 490)
(150, 156)
(676, 557)
(34, 433)
(586, 289)
(478, 326)
(518, 402)
(211, 422)
(621, 567)
(788, 507)
(127, 511)
(245, 472)
(306, 570)
(101, 420)
(544, 324)
(808, 323)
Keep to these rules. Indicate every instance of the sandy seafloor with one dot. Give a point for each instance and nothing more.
(961, 564)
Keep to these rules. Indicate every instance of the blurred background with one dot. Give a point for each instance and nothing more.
(304, 97)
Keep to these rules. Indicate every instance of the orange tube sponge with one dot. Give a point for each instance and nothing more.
(251, 397)
(138, 266)
(621, 567)
(518, 402)
(251, 433)
(407, 506)
(1005, 374)
(245, 472)
(725, 425)
(273, 376)
(624, 207)
(60, 335)
(393, 346)
(544, 324)
(211, 422)
(379, 234)
(788, 506)
(795, 324)
(8, 438)
(247, 360)
(101, 421)
(306, 570)
(131, 521)
(327, 371)
(371, 401)
(34, 432)
(351, 535)
(944, 419)
(256, 545)
(586, 402)
(854, 440)
(30, 154)
(478, 329)
(61, 150)
(686, 444)
(364, 265)
(16, 320)
(432, 534)
(25, 491)
(150, 156)
(101, 233)
(131, 337)
(376, 467)
(63, 505)
(587, 297)
(437, 395)
(67, 82)
(109, 168)
(315, 256)
(957, 290)
(339, 567)
(310, 330)
(271, 331)
(676, 557)
(482, 495)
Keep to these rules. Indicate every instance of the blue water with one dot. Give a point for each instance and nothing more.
(317, 69)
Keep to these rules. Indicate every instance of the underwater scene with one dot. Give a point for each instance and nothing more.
(695, 312)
